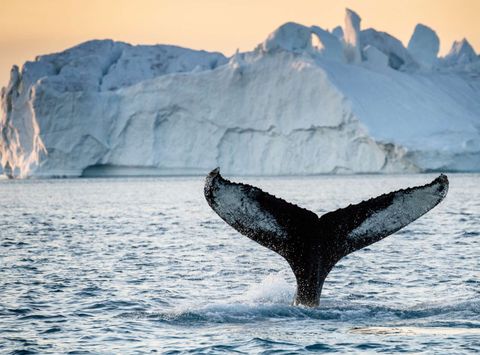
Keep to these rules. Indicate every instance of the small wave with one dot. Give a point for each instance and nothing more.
(220, 313)
(272, 298)
(52, 330)
(56, 317)
(471, 306)
(411, 330)
(254, 345)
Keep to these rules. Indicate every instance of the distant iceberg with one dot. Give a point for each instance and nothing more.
(305, 101)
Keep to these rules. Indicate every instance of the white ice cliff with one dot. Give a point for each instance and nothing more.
(305, 101)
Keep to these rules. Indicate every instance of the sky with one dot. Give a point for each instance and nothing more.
(33, 27)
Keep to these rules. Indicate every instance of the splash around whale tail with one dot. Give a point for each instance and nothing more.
(312, 245)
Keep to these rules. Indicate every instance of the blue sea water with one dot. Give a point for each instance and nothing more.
(143, 265)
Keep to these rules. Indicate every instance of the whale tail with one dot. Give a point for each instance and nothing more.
(312, 245)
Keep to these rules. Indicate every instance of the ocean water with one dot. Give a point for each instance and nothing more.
(143, 265)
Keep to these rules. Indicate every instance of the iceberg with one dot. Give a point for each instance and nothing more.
(304, 101)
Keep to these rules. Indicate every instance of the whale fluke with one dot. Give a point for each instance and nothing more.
(312, 245)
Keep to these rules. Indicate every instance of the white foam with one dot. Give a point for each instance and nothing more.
(274, 288)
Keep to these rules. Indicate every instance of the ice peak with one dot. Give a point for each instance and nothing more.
(424, 45)
(291, 37)
(398, 56)
(237, 62)
(338, 32)
(14, 75)
(328, 45)
(460, 55)
(353, 17)
(352, 36)
(461, 52)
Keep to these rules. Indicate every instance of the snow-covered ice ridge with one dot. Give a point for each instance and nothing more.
(305, 101)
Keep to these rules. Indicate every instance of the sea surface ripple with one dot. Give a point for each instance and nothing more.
(140, 265)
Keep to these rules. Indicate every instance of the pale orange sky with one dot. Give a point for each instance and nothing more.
(32, 27)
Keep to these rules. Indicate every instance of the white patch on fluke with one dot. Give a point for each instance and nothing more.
(406, 207)
(236, 207)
